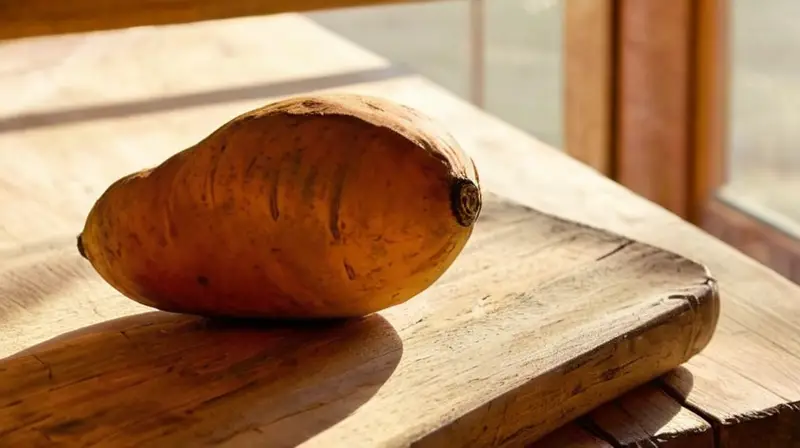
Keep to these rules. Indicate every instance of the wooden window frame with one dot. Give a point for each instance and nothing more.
(664, 112)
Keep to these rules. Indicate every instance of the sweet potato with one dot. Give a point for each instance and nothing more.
(329, 205)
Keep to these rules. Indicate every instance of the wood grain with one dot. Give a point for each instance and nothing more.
(43, 17)
(154, 378)
(744, 382)
(589, 95)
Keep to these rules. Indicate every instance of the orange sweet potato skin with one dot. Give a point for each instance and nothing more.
(315, 206)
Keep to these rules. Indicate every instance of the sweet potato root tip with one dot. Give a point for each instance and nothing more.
(465, 200)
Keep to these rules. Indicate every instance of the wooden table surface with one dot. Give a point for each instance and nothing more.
(740, 392)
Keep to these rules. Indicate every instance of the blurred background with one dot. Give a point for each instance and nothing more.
(764, 115)
(522, 48)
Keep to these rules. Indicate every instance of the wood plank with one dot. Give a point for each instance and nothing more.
(660, 420)
(729, 383)
(589, 64)
(667, 422)
(20, 18)
(653, 94)
(720, 387)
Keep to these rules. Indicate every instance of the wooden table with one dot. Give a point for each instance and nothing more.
(741, 392)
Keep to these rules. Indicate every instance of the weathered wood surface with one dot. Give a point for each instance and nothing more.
(149, 88)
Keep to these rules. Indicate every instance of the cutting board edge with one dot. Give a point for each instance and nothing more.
(698, 315)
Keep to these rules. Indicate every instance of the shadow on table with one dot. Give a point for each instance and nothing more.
(678, 383)
(648, 412)
(192, 381)
(637, 418)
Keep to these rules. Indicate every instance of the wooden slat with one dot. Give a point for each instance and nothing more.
(588, 77)
(21, 18)
(653, 94)
(748, 391)
(659, 418)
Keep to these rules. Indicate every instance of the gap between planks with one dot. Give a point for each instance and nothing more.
(662, 418)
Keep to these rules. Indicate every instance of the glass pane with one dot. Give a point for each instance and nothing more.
(522, 55)
(764, 125)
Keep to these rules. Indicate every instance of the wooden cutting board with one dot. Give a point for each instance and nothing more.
(538, 321)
